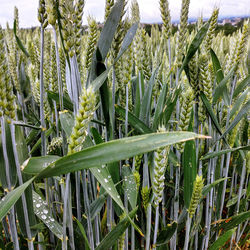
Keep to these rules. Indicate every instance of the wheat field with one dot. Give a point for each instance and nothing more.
(116, 136)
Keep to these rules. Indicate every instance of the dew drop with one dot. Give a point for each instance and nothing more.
(106, 180)
(118, 196)
(43, 217)
(52, 219)
(45, 211)
(38, 205)
(99, 170)
(109, 189)
(109, 176)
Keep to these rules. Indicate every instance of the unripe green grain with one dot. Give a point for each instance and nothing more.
(83, 118)
(92, 41)
(108, 6)
(196, 195)
(211, 30)
(166, 18)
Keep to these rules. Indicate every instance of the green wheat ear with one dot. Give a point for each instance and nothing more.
(83, 118)
(145, 194)
(7, 98)
(196, 195)
(160, 165)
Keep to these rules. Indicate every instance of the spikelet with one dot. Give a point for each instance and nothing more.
(187, 100)
(78, 29)
(135, 12)
(51, 11)
(55, 143)
(47, 61)
(42, 15)
(63, 69)
(7, 98)
(68, 30)
(186, 109)
(242, 45)
(248, 162)
(108, 6)
(137, 179)
(182, 34)
(53, 70)
(205, 85)
(145, 194)
(160, 165)
(146, 67)
(82, 120)
(91, 43)
(166, 18)
(138, 51)
(193, 72)
(211, 29)
(204, 82)
(137, 162)
(196, 195)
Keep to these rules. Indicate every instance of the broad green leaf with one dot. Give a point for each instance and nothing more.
(220, 88)
(105, 40)
(129, 186)
(104, 178)
(67, 121)
(233, 201)
(166, 234)
(113, 151)
(22, 152)
(135, 122)
(195, 44)
(219, 75)
(66, 100)
(84, 235)
(22, 124)
(11, 198)
(190, 167)
(225, 151)
(97, 138)
(96, 205)
(127, 40)
(173, 158)
(38, 143)
(6, 143)
(98, 82)
(210, 112)
(38, 163)
(42, 211)
(19, 43)
(238, 103)
(220, 242)
(147, 99)
(116, 232)
(106, 100)
(170, 105)
(217, 67)
(244, 110)
(241, 86)
(233, 221)
(159, 106)
(207, 188)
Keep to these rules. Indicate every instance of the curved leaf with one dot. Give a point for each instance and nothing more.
(113, 151)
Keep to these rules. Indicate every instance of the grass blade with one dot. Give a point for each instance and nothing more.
(220, 242)
(113, 151)
(11, 198)
(117, 231)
